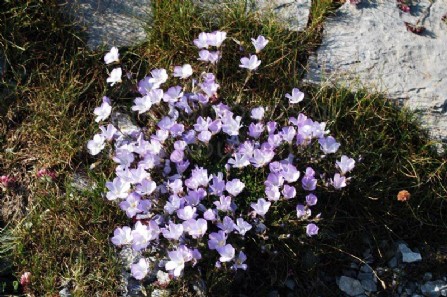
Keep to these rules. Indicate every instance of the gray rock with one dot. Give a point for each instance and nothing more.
(350, 286)
(427, 276)
(65, 292)
(392, 263)
(367, 276)
(366, 269)
(290, 284)
(409, 256)
(434, 288)
(293, 14)
(370, 46)
(161, 293)
(369, 285)
(135, 288)
(110, 22)
(123, 122)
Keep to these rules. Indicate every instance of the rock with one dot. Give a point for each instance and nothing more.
(135, 288)
(350, 286)
(128, 256)
(110, 22)
(392, 263)
(409, 256)
(370, 46)
(293, 14)
(427, 276)
(369, 285)
(65, 293)
(366, 269)
(290, 284)
(273, 294)
(124, 123)
(82, 182)
(364, 275)
(161, 293)
(434, 288)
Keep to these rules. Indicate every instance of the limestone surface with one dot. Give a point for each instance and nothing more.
(370, 45)
(110, 22)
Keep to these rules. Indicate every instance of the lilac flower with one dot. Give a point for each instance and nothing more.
(271, 127)
(239, 262)
(108, 132)
(173, 204)
(173, 94)
(130, 205)
(217, 240)
(144, 86)
(345, 164)
(302, 211)
(261, 207)
(257, 113)
(255, 130)
(140, 269)
(242, 226)
(204, 136)
(112, 56)
(339, 181)
(186, 213)
(227, 225)
(251, 63)
(218, 185)
(202, 124)
(195, 228)
(175, 186)
(204, 55)
(272, 193)
(146, 187)
(328, 145)
(289, 192)
(122, 236)
(224, 203)
(261, 157)
(173, 231)
(117, 189)
(142, 235)
(176, 263)
(309, 183)
(290, 173)
(234, 187)
(311, 229)
(231, 126)
(215, 126)
(239, 160)
(259, 43)
(216, 38)
(155, 96)
(311, 199)
(226, 253)
(96, 145)
(142, 104)
(190, 137)
(202, 40)
(296, 97)
(183, 72)
(115, 76)
(288, 133)
(209, 215)
(159, 76)
(274, 140)
(103, 112)
(274, 179)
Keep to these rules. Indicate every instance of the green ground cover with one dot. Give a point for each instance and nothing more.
(62, 234)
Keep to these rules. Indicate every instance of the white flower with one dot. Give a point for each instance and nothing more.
(112, 56)
(96, 145)
(257, 113)
(142, 104)
(259, 43)
(183, 72)
(339, 181)
(261, 207)
(346, 164)
(103, 112)
(159, 76)
(202, 40)
(117, 189)
(216, 38)
(328, 145)
(234, 187)
(226, 252)
(177, 262)
(297, 96)
(140, 269)
(250, 63)
(115, 76)
(122, 236)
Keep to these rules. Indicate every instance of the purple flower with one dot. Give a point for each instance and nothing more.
(173, 94)
(289, 192)
(261, 207)
(224, 203)
(140, 269)
(143, 234)
(227, 225)
(251, 63)
(195, 228)
(216, 38)
(130, 205)
(217, 240)
(302, 211)
(271, 127)
(345, 164)
(146, 187)
(239, 262)
(204, 136)
(259, 43)
(257, 113)
(173, 231)
(339, 181)
(290, 173)
(311, 199)
(103, 111)
(231, 126)
(226, 253)
(234, 187)
(186, 213)
(202, 40)
(311, 229)
(328, 145)
(261, 157)
(242, 226)
(159, 76)
(117, 189)
(122, 236)
(297, 96)
(272, 193)
(218, 185)
(255, 130)
(109, 132)
(209, 215)
(176, 263)
(183, 72)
